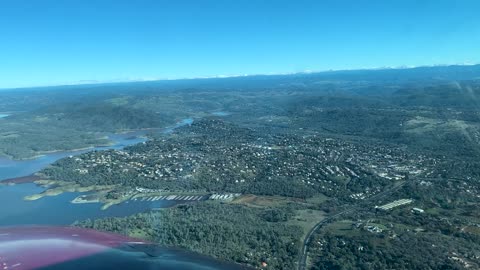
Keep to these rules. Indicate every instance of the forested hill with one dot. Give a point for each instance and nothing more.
(293, 152)
(379, 103)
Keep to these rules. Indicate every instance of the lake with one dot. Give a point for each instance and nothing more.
(58, 210)
(17, 168)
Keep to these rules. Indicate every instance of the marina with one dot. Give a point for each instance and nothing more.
(42, 211)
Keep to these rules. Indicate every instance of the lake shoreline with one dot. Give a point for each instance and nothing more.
(22, 183)
(20, 180)
(167, 129)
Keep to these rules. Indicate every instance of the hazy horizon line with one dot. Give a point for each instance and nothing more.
(221, 76)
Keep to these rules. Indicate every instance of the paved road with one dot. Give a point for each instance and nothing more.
(302, 261)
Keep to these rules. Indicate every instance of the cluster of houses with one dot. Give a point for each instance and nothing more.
(323, 164)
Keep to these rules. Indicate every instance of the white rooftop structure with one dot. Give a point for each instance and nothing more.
(394, 204)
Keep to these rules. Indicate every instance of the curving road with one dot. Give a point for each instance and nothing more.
(302, 260)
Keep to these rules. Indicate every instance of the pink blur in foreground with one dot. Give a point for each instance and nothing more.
(25, 248)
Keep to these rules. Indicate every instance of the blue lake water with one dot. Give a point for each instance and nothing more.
(184, 122)
(2, 115)
(57, 210)
(17, 168)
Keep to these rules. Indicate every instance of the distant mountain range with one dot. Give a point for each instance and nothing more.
(416, 74)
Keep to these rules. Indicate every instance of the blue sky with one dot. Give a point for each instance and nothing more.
(67, 41)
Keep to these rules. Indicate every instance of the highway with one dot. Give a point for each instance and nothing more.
(302, 260)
